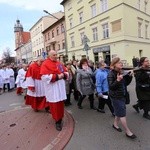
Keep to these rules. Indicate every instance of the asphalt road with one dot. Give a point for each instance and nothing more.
(9, 100)
(93, 130)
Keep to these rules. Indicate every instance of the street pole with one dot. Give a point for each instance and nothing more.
(86, 46)
(26, 55)
(50, 14)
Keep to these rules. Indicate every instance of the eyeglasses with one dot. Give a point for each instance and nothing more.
(146, 61)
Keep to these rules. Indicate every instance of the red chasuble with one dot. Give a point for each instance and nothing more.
(35, 93)
(54, 68)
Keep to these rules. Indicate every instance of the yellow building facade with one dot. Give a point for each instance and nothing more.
(108, 28)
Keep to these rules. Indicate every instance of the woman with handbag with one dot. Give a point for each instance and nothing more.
(85, 84)
(117, 83)
(142, 77)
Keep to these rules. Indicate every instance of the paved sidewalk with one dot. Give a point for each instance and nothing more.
(25, 129)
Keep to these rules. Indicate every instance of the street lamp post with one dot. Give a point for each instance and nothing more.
(50, 14)
(86, 46)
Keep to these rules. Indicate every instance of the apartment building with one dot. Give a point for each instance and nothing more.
(108, 28)
(26, 52)
(54, 37)
(36, 30)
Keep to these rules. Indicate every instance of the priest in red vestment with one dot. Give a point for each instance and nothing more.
(53, 74)
(35, 87)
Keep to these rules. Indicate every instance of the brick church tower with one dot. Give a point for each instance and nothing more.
(21, 37)
(18, 29)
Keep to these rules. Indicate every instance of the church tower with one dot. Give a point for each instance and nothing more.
(18, 30)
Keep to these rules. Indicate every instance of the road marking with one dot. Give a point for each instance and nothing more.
(14, 104)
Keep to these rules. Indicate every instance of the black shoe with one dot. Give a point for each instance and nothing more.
(36, 110)
(80, 107)
(68, 104)
(146, 116)
(94, 108)
(101, 110)
(113, 114)
(47, 109)
(58, 126)
(136, 108)
(118, 129)
(131, 136)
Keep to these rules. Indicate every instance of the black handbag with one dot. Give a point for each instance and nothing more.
(127, 97)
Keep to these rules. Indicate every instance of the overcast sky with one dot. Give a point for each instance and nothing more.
(27, 11)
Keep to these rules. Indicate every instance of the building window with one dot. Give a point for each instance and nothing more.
(63, 45)
(95, 34)
(62, 28)
(52, 33)
(58, 46)
(57, 30)
(41, 27)
(116, 25)
(104, 5)
(93, 10)
(81, 17)
(69, 6)
(39, 40)
(105, 31)
(146, 31)
(145, 6)
(72, 41)
(53, 46)
(45, 37)
(82, 37)
(139, 29)
(37, 52)
(71, 22)
(47, 48)
(139, 4)
(79, 1)
(48, 36)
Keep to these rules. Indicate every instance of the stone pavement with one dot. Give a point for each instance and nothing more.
(24, 129)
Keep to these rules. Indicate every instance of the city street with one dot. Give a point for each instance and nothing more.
(93, 130)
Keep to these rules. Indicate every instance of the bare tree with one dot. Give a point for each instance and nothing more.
(7, 55)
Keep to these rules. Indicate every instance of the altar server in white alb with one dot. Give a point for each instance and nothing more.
(53, 75)
(11, 77)
(1, 79)
(35, 91)
(20, 80)
(6, 78)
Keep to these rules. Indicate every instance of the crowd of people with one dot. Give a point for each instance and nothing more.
(48, 84)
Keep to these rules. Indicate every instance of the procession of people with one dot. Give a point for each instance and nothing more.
(50, 84)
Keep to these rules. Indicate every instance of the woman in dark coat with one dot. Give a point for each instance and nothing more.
(142, 77)
(117, 82)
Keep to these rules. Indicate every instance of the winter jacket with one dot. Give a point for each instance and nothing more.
(118, 89)
(142, 78)
(84, 81)
(101, 81)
